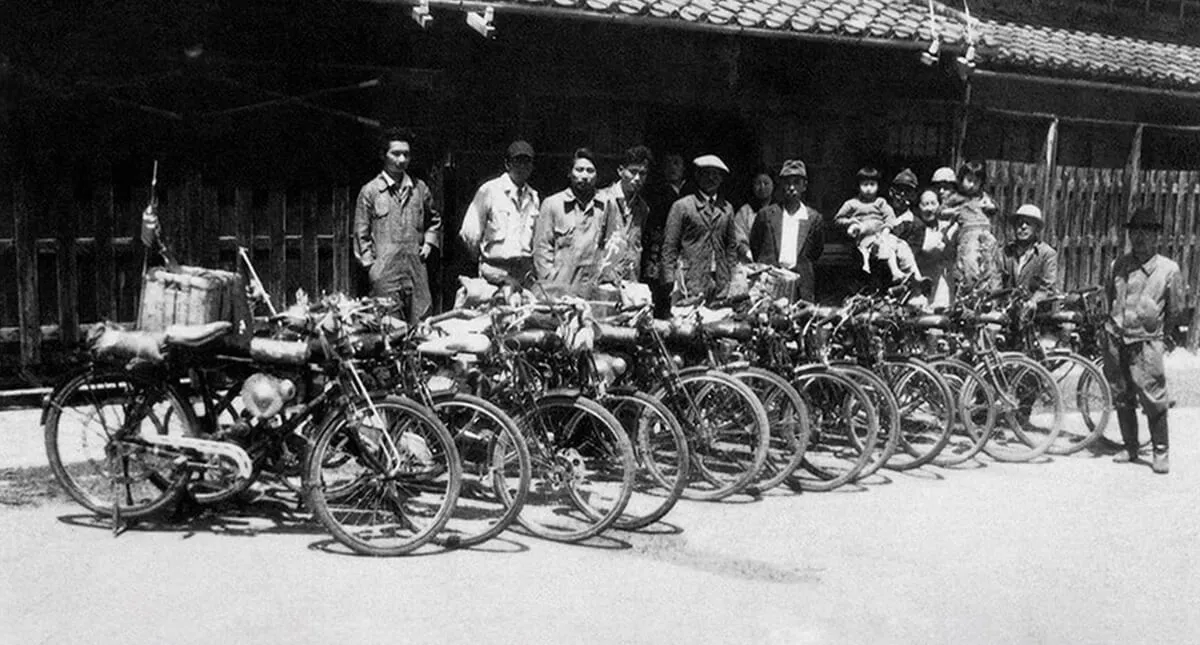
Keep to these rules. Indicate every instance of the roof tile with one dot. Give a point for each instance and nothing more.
(1001, 44)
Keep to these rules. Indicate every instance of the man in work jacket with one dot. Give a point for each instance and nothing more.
(572, 229)
(700, 248)
(1145, 295)
(790, 234)
(498, 225)
(396, 228)
(1026, 262)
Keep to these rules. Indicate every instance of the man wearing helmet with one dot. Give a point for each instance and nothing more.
(1026, 262)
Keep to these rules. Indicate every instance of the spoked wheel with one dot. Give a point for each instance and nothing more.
(1031, 410)
(583, 468)
(494, 457)
(976, 412)
(927, 409)
(387, 483)
(887, 409)
(788, 418)
(727, 430)
(95, 429)
(663, 457)
(1087, 401)
(845, 427)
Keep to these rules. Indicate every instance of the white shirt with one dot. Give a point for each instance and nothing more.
(499, 221)
(791, 231)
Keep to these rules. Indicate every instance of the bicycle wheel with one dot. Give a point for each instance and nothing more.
(583, 468)
(845, 427)
(494, 456)
(787, 417)
(888, 411)
(727, 429)
(1087, 401)
(94, 431)
(661, 449)
(1031, 410)
(383, 482)
(927, 411)
(976, 412)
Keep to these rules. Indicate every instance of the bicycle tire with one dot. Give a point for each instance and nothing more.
(976, 412)
(727, 429)
(1087, 401)
(494, 456)
(927, 409)
(583, 468)
(1022, 383)
(787, 417)
(399, 469)
(837, 452)
(662, 453)
(887, 441)
(83, 459)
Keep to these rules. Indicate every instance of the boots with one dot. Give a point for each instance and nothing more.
(1158, 436)
(1127, 421)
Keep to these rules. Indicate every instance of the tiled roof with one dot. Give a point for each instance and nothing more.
(1003, 44)
(1088, 54)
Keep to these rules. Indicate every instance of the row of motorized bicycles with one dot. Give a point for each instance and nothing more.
(562, 418)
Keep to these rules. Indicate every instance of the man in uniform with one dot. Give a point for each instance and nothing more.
(1026, 262)
(396, 228)
(1145, 296)
(699, 247)
(572, 230)
(790, 234)
(498, 225)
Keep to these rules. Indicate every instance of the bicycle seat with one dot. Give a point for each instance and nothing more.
(530, 338)
(1062, 317)
(617, 335)
(460, 344)
(197, 335)
(931, 321)
(735, 329)
(993, 318)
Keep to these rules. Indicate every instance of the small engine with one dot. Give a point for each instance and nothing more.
(263, 395)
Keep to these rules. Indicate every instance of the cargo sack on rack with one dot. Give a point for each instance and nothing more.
(193, 296)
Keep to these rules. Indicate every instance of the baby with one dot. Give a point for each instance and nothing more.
(869, 220)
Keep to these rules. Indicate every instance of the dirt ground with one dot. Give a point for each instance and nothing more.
(1071, 550)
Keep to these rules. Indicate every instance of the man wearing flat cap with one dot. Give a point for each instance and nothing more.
(498, 225)
(790, 234)
(700, 247)
(1026, 262)
(1145, 295)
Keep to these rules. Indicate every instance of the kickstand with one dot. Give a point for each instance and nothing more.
(186, 506)
(118, 525)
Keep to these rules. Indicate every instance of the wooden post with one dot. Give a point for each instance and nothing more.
(309, 249)
(276, 220)
(102, 212)
(66, 263)
(340, 212)
(960, 140)
(25, 245)
(1047, 197)
(1133, 168)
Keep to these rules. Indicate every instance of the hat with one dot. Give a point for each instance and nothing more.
(520, 148)
(905, 178)
(945, 174)
(710, 161)
(793, 168)
(1030, 211)
(1144, 218)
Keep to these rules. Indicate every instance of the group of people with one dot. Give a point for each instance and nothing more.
(685, 240)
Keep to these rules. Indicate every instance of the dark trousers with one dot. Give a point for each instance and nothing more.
(1135, 372)
(660, 295)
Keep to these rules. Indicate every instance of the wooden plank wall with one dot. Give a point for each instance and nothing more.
(1085, 211)
(77, 259)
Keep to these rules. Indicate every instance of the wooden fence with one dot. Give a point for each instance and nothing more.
(1086, 207)
(77, 258)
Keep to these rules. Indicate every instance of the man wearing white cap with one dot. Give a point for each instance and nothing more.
(1026, 262)
(700, 248)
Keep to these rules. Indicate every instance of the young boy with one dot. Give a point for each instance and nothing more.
(869, 220)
